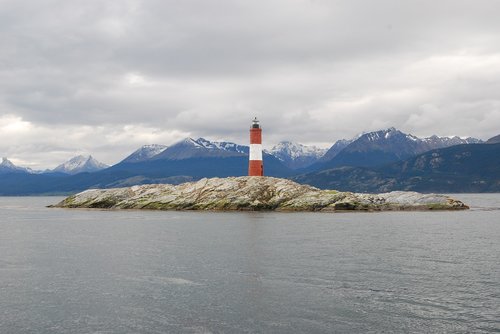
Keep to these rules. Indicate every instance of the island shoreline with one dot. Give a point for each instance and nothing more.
(254, 193)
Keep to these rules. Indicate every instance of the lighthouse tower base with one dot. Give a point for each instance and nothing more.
(255, 168)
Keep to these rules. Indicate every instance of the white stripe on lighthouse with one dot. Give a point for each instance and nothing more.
(255, 152)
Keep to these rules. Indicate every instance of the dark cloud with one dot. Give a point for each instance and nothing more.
(105, 77)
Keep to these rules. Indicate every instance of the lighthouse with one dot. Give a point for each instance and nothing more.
(255, 165)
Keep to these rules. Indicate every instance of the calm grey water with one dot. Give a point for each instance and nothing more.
(83, 271)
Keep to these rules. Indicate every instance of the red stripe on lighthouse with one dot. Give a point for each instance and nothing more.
(255, 165)
(255, 136)
(255, 168)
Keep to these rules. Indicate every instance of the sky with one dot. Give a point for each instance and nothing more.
(106, 77)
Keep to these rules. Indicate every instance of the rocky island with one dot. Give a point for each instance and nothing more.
(253, 193)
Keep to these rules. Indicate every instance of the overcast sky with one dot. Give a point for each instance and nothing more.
(105, 77)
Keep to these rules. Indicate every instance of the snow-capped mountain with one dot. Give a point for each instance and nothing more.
(80, 164)
(459, 168)
(295, 155)
(390, 140)
(8, 167)
(290, 154)
(192, 159)
(393, 135)
(145, 152)
(223, 145)
(376, 153)
(441, 142)
(385, 146)
(200, 148)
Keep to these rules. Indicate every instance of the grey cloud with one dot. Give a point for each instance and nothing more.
(313, 71)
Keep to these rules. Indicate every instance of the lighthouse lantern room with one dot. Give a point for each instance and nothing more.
(255, 165)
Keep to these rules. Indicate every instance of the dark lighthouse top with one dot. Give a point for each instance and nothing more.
(255, 123)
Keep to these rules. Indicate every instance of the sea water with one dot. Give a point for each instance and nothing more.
(97, 271)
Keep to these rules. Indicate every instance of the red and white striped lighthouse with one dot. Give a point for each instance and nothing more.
(255, 165)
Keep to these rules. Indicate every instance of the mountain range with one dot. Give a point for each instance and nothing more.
(460, 168)
(80, 164)
(374, 161)
(382, 147)
(76, 165)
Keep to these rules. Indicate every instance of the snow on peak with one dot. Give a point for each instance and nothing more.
(449, 141)
(79, 164)
(7, 163)
(76, 162)
(222, 145)
(200, 143)
(204, 143)
(296, 155)
(296, 150)
(188, 141)
(191, 141)
(151, 150)
(231, 147)
(7, 166)
(153, 147)
(200, 148)
(145, 152)
(387, 134)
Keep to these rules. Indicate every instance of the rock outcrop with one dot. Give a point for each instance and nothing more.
(253, 193)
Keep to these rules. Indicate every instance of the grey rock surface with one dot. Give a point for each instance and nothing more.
(253, 193)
